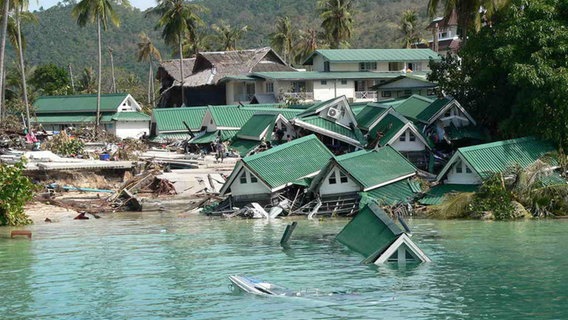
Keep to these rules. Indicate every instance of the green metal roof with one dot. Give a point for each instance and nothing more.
(337, 75)
(79, 103)
(332, 126)
(431, 110)
(404, 191)
(377, 167)
(414, 107)
(370, 232)
(289, 161)
(256, 125)
(206, 138)
(437, 194)
(171, 119)
(418, 77)
(388, 127)
(64, 119)
(243, 146)
(167, 137)
(369, 114)
(364, 55)
(227, 135)
(236, 117)
(499, 156)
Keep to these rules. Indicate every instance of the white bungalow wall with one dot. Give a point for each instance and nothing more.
(286, 127)
(129, 104)
(131, 129)
(454, 115)
(338, 187)
(408, 145)
(461, 173)
(247, 187)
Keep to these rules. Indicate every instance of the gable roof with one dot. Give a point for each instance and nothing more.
(331, 129)
(488, 158)
(387, 55)
(210, 67)
(79, 103)
(171, 67)
(413, 106)
(404, 191)
(417, 81)
(369, 114)
(258, 124)
(171, 119)
(389, 127)
(373, 169)
(283, 164)
(332, 75)
(236, 116)
(370, 232)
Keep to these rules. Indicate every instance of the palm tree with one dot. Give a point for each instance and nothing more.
(21, 14)
(87, 82)
(201, 42)
(308, 42)
(337, 21)
(283, 39)
(146, 52)
(228, 36)
(178, 19)
(99, 12)
(409, 28)
(470, 13)
(5, 11)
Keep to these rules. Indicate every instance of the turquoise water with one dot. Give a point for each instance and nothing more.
(158, 265)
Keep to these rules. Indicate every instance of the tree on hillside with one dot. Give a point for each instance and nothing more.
(471, 13)
(148, 52)
(101, 13)
(228, 36)
(51, 80)
(178, 19)
(410, 29)
(337, 21)
(283, 38)
(87, 82)
(202, 42)
(515, 73)
(308, 41)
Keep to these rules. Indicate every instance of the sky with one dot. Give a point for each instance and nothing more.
(141, 4)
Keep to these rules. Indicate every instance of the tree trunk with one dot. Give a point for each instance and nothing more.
(2, 51)
(71, 77)
(23, 69)
(98, 120)
(150, 83)
(181, 70)
(112, 71)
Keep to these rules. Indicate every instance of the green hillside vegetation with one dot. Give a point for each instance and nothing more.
(57, 38)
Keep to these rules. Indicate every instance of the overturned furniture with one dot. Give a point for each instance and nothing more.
(375, 235)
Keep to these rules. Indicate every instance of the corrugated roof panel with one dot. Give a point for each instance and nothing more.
(372, 168)
(171, 119)
(369, 114)
(78, 103)
(243, 146)
(328, 125)
(237, 116)
(387, 55)
(289, 161)
(413, 106)
(131, 116)
(500, 156)
(256, 125)
(387, 128)
(401, 191)
(338, 75)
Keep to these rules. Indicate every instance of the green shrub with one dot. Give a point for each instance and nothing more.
(15, 191)
(493, 196)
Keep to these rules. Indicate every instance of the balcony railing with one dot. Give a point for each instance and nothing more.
(366, 95)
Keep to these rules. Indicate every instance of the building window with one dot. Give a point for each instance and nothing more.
(411, 137)
(343, 81)
(386, 94)
(395, 66)
(343, 177)
(269, 87)
(332, 178)
(326, 66)
(459, 168)
(366, 66)
(244, 178)
(253, 179)
(402, 137)
(467, 169)
(323, 82)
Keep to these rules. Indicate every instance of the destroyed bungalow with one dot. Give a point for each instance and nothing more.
(263, 176)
